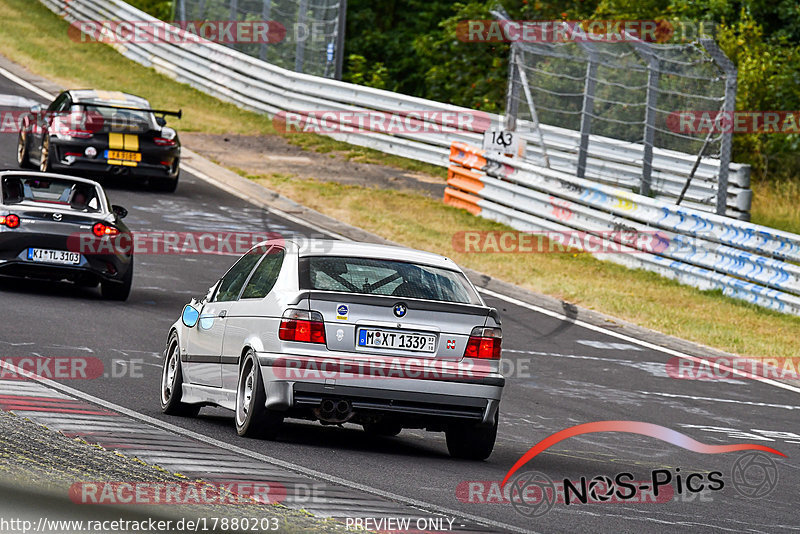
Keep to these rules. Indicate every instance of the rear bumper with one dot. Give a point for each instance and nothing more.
(14, 260)
(98, 165)
(94, 167)
(437, 397)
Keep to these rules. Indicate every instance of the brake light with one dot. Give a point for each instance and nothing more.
(162, 141)
(300, 325)
(101, 230)
(12, 221)
(484, 343)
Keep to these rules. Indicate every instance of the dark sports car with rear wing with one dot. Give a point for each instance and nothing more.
(90, 133)
(60, 227)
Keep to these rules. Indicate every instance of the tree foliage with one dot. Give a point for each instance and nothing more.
(413, 45)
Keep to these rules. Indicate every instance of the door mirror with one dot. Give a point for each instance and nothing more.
(36, 109)
(119, 211)
(190, 316)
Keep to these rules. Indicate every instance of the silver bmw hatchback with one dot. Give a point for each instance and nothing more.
(341, 332)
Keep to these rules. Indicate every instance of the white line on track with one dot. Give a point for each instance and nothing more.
(27, 85)
(425, 506)
(716, 399)
(636, 341)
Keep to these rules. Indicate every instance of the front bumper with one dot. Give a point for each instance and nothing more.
(437, 397)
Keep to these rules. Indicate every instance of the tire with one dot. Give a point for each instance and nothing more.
(471, 442)
(252, 418)
(23, 155)
(171, 382)
(383, 428)
(44, 158)
(111, 290)
(165, 185)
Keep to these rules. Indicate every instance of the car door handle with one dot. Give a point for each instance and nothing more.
(223, 313)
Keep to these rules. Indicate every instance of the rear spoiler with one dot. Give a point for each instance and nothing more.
(178, 113)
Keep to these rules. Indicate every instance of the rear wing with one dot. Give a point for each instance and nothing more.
(178, 113)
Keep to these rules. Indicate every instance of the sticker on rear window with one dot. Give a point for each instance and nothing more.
(341, 312)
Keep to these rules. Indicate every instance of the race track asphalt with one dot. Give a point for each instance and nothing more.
(559, 375)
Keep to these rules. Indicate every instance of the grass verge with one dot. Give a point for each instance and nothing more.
(637, 296)
(36, 37)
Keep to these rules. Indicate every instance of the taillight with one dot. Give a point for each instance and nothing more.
(101, 230)
(300, 325)
(12, 221)
(163, 141)
(484, 343)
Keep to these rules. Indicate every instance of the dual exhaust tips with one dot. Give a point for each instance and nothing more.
(334, 411)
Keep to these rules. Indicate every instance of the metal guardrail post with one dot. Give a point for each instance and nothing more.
(266, 11)
(341, 27)
(728, 107)
(512, 92)
(531, 105)
(653, 76)
(587, 111)
(300, 49)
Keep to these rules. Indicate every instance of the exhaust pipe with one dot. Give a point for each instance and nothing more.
(334, 412)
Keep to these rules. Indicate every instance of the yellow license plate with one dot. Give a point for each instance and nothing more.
(124, 156)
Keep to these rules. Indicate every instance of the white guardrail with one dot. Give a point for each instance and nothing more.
(708, 251)
(259, 86)
(701, 249)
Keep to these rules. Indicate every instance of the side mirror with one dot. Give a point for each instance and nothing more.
(119, 211)
(36, 109)
(190, 316)
(161, 121)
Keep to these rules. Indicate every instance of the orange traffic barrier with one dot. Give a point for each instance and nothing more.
(460, 199)
(467, 156)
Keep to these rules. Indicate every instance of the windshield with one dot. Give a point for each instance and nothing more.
(78, 196)
(385, 277)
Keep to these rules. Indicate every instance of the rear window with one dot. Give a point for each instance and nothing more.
(78, 196)
(117, 120)
(385, 277)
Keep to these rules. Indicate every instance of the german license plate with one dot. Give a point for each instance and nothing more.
(123, 156)
(384, 339)
(54, 256)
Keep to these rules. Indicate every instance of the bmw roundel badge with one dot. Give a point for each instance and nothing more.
(400, 309)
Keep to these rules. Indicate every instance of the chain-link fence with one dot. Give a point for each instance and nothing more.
(632, 91)
(314, 38)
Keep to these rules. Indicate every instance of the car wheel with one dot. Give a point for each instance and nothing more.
(22, 151)
(44, 160)
(111, 290)
(383, 428)
(165, 185)
(471, 442)
(252, 417)
(172, 382)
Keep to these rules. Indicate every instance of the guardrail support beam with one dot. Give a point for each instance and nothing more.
(586, 116)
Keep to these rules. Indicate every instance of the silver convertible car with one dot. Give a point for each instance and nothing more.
(380, 336)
